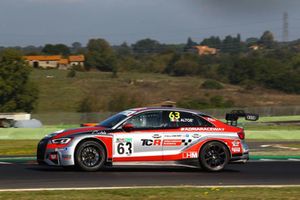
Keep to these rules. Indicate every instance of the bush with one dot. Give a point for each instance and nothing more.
(71, 74)
(122, 101)
(184, 67)
(85, 105)
(117, 102)
(200, 103)
(194, 103)
(212, 84)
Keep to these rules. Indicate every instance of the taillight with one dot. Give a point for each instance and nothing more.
(241, 135)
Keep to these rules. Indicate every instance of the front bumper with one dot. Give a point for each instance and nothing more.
(54, 157)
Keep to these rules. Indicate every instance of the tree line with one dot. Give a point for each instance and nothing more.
(253, 62)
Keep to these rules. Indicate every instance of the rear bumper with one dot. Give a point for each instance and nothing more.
(240, 158)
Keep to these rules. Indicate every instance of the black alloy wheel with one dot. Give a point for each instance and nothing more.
(90, 156)
(214, 156)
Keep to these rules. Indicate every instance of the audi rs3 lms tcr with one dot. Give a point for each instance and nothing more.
(149, 135)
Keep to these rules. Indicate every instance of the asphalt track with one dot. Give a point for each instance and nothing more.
(22, 176)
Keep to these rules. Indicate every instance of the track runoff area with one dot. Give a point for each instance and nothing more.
(265, 174)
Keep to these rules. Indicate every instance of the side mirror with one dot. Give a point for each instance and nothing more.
(127, 127)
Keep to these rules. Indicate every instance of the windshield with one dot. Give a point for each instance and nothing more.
(113, 120)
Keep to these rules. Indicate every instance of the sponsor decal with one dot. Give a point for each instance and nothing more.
(196, 135)
(236, 149)
(210, 119)
(190, 154)
(178, 135)
(122, 140)
(99, 132)
(149, 142)
(235, 143)
(167, 142)
(186, 142)
(187, 120)
(202, 129)
(174, 142)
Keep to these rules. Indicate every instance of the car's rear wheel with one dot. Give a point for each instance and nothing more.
(90, 156)
(214, 156)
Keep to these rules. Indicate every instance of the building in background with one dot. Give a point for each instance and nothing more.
(76, 60)
(205, 50)
(55, 61)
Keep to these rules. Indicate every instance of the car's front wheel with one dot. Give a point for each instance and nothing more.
(214, 156)
(90, 156)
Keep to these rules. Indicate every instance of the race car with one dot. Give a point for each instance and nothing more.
(152, 135)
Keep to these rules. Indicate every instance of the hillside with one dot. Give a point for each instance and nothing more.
(61, 94)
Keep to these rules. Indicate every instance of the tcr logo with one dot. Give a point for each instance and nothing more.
(148, 142)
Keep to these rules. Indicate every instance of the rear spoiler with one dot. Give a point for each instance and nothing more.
(234, 115)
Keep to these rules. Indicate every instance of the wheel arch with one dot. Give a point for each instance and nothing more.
(95, 140)
(214, 140)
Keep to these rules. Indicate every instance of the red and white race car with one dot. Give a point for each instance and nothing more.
(149, 135)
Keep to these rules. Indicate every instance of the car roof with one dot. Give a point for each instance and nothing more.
(143, 109)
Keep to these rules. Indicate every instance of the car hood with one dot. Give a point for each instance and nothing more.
(68, 132)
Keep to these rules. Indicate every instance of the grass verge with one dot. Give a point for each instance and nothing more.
(290, 193)
(18, 147)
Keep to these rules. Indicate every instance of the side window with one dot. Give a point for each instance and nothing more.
(146, 120)
(173, 119)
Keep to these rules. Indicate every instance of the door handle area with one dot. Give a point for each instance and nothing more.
(156, 136)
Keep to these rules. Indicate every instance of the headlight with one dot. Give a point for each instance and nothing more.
(61, 141)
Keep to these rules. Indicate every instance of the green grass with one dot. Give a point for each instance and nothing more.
(18, 147)
(280, 118)
(273, 135)
(62, 94)
(30, 133)
(261, 127)
(289, 193)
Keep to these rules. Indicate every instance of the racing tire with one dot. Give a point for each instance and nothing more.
(214, 156)
(90, 156)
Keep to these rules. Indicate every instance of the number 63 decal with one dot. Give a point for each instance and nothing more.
(124, 148)
(174, 116)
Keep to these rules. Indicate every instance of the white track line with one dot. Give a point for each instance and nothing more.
(146, 187)
(5, 163)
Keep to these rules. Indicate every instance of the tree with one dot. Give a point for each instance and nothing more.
(232, 44)
(214, 42)
(123, 50)
(190, 44)
(100, 55)
(267, 39)
(57, 49)
(16, 92)
(252, 41)
(146, 46)
(76, 47)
